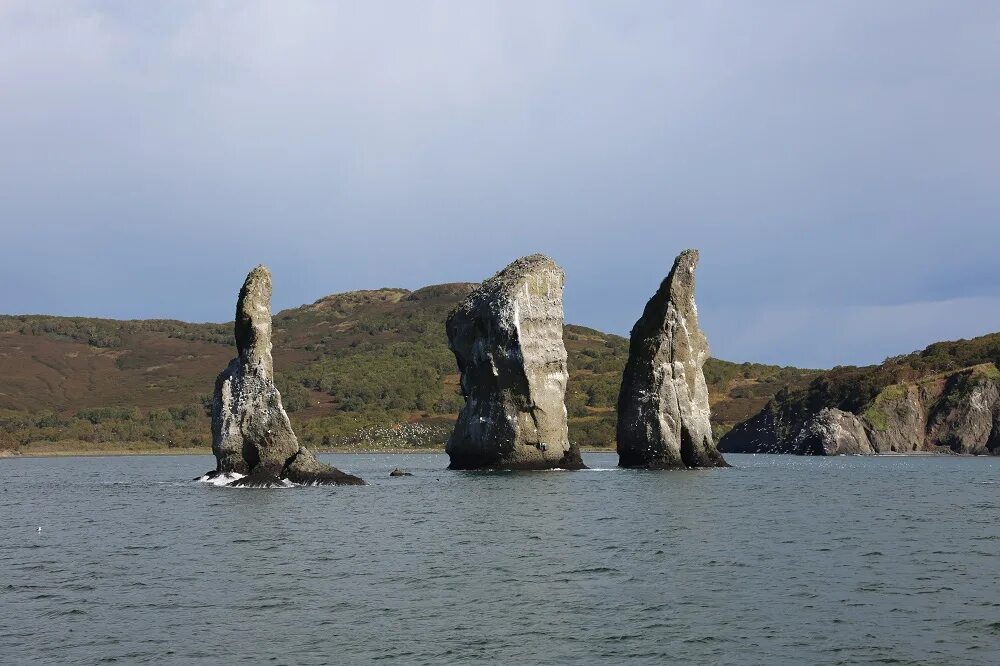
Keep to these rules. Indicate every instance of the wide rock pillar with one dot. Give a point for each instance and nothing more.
(507, 337)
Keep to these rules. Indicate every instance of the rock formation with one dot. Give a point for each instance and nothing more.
(507, 339)
(251, 433)
(955, 412)
(834, 432)
(663, 410)
(967, 418)
(761, 433)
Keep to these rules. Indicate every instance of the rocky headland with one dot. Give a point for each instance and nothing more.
(663, 406)
(252, 437)
(906, 405)
(507, 337)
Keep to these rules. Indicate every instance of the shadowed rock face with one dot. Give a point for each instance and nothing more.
(251, 433)
(507, 339)
(663, 410)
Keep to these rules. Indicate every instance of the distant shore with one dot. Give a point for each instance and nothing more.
(97, 453)
(196, 451)
(55, 452)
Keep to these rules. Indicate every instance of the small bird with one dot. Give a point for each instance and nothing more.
(39, 528)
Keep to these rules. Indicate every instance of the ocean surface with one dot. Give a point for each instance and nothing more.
(779, 560)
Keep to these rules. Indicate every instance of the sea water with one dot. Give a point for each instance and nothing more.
(778, 560)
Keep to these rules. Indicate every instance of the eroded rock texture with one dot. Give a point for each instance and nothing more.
(663, 410)
(507, 339)
(966, 418)
(251, 433)
(833, 432)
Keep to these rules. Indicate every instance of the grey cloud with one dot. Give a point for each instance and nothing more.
(835, 162)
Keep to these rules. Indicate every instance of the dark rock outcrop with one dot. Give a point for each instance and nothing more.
(761, 433)
(399, 472)
(507, 339)
(955, 412)
(663, 409)
(251, 433)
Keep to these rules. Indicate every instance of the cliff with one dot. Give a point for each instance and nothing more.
(943, 399)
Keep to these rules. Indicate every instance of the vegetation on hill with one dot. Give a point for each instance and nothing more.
(863, 390)
(360, 370)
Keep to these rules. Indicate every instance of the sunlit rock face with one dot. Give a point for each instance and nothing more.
(663, 409)
(507, 339)
(833, 432)
(251, 433)
(949, 412)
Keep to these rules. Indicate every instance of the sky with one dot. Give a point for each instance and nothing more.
(837, 163)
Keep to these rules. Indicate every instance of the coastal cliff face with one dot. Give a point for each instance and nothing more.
(507, 337)
(251, 433)
(663, 406)
(951, 412)
(833, 432)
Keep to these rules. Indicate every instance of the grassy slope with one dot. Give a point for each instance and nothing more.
(361, 370)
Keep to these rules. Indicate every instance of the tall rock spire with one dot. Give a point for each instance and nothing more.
(663, 409)
(251, 433)
(253, 322)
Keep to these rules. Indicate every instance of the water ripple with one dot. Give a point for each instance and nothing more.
(780, 561)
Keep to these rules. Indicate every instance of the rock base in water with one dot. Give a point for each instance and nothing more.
(571, 460)
(304, 469)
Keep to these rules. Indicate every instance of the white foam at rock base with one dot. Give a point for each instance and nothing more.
(221, 479)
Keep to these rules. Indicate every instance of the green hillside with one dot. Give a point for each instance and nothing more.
(360, 370)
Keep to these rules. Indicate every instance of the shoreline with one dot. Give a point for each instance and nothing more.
(180, 451)
(69, 453)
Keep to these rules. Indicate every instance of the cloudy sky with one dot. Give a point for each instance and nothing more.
(837, 163)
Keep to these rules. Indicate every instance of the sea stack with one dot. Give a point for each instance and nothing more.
(507, 337)
(663, 410)
(251, 433)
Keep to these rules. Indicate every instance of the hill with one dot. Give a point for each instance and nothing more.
(358, 370)
(945, 398)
